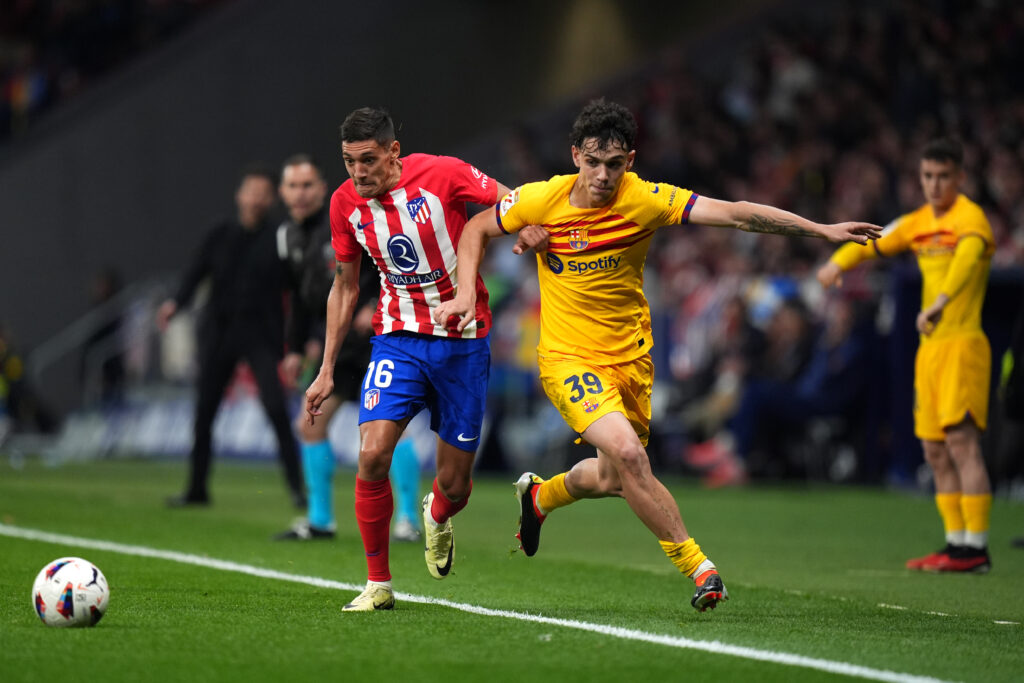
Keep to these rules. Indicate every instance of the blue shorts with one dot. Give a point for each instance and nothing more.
(409, 372)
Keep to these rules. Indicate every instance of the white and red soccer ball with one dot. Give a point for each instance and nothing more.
(70, 591)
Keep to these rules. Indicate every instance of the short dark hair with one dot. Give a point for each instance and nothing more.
(944, 149)
(303, 158)
(608, 122)
(258, 169)
(368, 123)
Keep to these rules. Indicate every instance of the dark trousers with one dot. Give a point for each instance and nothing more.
(220, 353)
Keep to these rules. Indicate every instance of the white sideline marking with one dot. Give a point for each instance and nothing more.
(712, 646)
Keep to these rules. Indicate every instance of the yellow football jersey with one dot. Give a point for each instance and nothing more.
(934, 241)
(591, 277)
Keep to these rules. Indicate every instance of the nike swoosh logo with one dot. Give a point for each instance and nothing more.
(443, 570)
(656, 190)
(471, 438)
(364, 226)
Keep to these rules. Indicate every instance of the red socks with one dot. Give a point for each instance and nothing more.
(442, 508)
(374, 506)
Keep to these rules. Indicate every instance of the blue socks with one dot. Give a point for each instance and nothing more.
(318, 467)
(405, 476)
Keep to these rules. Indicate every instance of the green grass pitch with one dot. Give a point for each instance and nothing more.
(813, 572)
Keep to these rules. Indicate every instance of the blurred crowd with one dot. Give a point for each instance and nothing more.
(52, 49)
(823, 113)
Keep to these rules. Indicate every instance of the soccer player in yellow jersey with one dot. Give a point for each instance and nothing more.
(594, 352)
(952, 241)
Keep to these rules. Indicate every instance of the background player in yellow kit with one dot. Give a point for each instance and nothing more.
(594, 358)
(953, 243)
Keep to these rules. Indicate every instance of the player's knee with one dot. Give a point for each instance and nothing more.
(961, 441)
(374, 462)
(311, 433)
(632, 460)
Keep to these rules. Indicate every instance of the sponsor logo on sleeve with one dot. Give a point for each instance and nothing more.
(482, 177)
(672, 196)
(508, 201)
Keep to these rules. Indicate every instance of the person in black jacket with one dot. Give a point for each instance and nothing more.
(305, 240)
(243, 320)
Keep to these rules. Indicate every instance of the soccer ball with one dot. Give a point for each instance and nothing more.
(70, 591)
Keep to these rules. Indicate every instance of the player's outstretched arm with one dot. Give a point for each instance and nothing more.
(477, 231)
(753, 217)
(341, 303)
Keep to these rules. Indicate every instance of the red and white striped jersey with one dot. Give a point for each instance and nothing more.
(412, 234)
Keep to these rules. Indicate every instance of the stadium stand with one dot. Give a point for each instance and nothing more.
(821, 110)
(51, 50)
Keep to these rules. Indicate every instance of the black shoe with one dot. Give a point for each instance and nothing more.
(302, 530)
(188, 500)
(529, 520)
(1018, 542)
(710, 591)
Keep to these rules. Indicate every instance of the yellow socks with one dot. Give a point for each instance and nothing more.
(687, 556)
(977, 510)
(952, 518)
(552, 494)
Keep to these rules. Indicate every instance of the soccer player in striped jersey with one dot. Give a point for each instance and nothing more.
(953, 243)
(408, 214)
(594, 352)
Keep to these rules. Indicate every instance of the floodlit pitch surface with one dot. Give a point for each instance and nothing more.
(815, 574)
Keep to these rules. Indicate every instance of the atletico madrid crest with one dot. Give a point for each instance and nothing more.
(419, 210)
(371, 398)
(579, 239)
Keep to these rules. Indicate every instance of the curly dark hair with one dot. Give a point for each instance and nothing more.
(608, 122)
(368, 123)
(944, 149)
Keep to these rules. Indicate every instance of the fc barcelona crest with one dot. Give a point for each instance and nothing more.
(371, 398)
(579, 239)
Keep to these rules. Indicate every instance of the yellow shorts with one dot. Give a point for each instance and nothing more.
(951, 381)
(583, 391)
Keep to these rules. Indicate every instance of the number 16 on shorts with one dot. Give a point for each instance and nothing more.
(379, 373)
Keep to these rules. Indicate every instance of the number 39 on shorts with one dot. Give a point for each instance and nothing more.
(379, 374)
(580, 385)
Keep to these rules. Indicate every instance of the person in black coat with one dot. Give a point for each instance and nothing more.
(243, 320)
